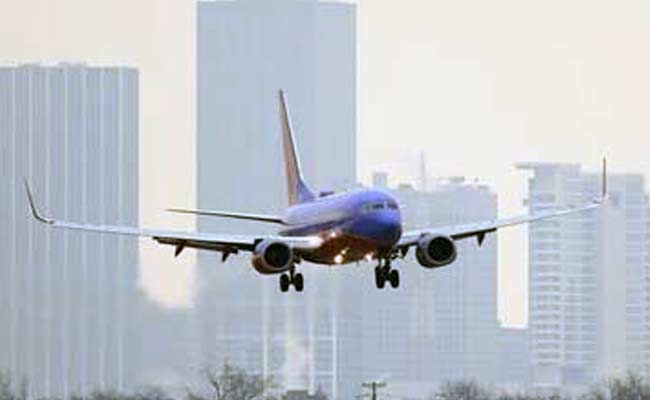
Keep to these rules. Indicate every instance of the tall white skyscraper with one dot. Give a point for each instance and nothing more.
(247, 51)
(67, 298)
(588, 278)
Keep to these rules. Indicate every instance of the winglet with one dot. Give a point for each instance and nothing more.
(32, 206)
(604, 197)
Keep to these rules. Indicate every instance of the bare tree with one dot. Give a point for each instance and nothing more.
(7, 389)
(234, 383)
(631, 387)
(463, 390)
(152, 393)
(470, 390)
(529, 396)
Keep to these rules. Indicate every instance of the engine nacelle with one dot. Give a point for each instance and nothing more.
(272, 257)
(436, 251)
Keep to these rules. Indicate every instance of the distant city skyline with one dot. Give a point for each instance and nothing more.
(479, 87)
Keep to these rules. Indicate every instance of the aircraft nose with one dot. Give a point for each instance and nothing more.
(385, 229)
(391, 229)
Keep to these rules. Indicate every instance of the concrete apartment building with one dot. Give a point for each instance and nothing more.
(66, 298)
(588, 278)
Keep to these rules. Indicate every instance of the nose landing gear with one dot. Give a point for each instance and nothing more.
(292, 278)
(384, 273)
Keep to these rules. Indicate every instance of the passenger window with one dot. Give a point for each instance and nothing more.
(392, 205)
(378, 206)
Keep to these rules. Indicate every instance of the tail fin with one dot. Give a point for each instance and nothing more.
(298, 190)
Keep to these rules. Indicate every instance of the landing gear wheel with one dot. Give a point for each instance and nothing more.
(384, 273)
(380, 278)
(298, 282)
(393, 277)
(285, 281)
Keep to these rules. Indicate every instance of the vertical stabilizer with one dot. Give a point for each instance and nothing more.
(297, 189)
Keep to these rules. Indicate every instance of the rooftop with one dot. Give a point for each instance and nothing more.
(62, 64)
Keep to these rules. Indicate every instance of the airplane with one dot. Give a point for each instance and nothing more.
(327, 229)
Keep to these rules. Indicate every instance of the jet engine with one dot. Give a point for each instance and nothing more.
(272, 257)
(436, 251)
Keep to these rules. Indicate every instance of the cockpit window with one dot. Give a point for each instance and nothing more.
(371, 207)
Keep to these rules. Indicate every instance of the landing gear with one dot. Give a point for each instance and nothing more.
(292, 278)
(393, 277)
(380, 279)
(298, 282)
(385, 273)
(285, 281)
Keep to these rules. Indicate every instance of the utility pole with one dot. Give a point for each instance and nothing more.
(374, 385)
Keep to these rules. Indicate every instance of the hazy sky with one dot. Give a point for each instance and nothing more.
(477, 85)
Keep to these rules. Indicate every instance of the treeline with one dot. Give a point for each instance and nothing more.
(231, 383)
(630, 387)
(234, 383)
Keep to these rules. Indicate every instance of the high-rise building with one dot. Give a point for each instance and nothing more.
(514, 359)
(67, 297)
(441, 324)
(588, 278)
(247, 51)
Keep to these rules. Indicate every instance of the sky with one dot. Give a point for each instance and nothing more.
(476, 85)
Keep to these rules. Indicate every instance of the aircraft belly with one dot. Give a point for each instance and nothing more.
(350, 249)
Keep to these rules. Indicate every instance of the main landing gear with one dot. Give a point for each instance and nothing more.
(385, 273)
(292, 278)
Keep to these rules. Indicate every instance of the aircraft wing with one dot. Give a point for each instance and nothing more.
(479, 229)
(226, 214)
(227, 244)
